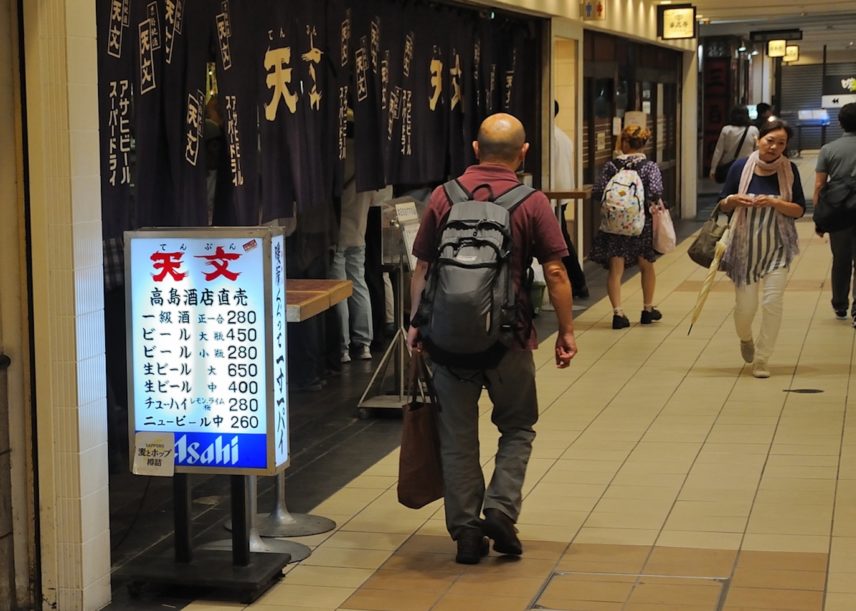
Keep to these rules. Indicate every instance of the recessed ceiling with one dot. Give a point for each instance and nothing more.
(830, 23)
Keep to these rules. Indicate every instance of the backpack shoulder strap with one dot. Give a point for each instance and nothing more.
(456, 192)
(515, 196)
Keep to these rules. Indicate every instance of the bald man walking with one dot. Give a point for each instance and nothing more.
(500, 149)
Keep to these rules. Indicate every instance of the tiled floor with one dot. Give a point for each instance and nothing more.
(664, 476)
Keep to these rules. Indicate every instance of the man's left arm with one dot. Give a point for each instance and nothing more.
(820, 179)
(417, 283)
(559, 288)
(549, 249)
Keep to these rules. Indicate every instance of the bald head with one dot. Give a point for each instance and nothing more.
(501, 139)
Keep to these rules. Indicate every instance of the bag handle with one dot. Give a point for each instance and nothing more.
(418, 374)
(715, 212)
(740, 144)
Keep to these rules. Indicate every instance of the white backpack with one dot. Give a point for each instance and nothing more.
(622, 209)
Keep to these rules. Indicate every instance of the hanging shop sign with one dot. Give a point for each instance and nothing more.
(593, 10)
(792, 53)
(767, 35)
(207, 363)
(776, 48)
(676, 21)
(838, 91)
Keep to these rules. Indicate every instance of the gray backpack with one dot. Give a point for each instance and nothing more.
(468, 315)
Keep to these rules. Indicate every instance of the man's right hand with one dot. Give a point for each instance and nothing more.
(413, 342)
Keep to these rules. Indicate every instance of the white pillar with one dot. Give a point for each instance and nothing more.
(62, 128)
(689, 136)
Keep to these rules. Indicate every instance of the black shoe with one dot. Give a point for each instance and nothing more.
(649, 316)
(841, 314)
(500, 528)
(620, 322)
(581, 293)
(472, 546)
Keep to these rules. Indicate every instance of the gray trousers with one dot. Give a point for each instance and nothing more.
(843, 245)
(511, 386)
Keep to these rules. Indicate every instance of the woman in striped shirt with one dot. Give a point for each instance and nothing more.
(765, 195)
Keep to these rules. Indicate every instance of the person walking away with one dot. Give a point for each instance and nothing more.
(500, 148)
(764, 114)
(562, 179)
(737, 139)
(837, 160)
(765, 195)
(617, 252)
(349, 262)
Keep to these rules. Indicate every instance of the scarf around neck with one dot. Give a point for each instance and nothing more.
(736, 256)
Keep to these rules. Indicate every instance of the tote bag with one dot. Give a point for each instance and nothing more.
(664, 230)
(420, 474)
(704, 246)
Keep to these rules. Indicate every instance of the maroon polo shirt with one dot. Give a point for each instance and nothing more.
(534, 229)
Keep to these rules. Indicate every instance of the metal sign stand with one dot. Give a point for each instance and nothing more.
(397, 354)
(281, 523)
(296, 551)
(242, 571)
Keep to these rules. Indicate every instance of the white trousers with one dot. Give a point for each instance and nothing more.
(771, 290)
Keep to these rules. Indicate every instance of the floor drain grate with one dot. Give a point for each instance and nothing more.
(572, 591)
(804, 391)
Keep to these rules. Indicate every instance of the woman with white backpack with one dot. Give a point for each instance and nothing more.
(628, 186)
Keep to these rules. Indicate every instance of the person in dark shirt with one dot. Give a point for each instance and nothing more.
(500, 149)
(837, 161)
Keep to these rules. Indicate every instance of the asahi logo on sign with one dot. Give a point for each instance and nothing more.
(217, 452)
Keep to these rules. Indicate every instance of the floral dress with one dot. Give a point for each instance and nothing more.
(608, 245)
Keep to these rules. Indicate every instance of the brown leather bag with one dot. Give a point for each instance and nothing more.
(704, 246)
(420, 474)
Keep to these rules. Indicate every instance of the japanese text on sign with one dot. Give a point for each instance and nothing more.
(119, 125)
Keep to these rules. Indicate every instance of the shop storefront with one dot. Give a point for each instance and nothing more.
(92, 157)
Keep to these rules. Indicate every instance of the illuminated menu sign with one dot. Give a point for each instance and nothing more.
(676, 22)
(776, 48)
(207, 345)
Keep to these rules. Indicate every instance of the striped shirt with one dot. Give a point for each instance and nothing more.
(766, 252)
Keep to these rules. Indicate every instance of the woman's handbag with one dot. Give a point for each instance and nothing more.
(836, 209)
(721, 171)
(664, 230)
(420, 474)
(703, 247)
